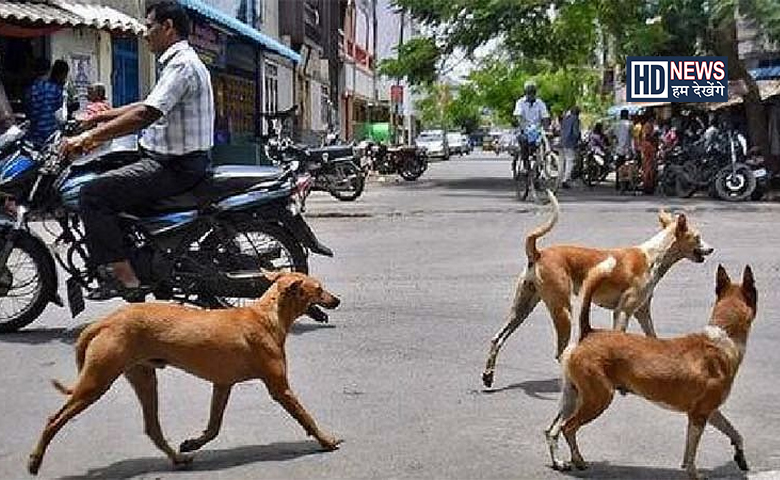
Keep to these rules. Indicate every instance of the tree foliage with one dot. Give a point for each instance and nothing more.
(567, 32)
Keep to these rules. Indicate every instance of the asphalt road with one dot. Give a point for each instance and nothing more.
(426, 271)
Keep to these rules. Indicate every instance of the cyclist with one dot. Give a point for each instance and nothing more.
(529, 111)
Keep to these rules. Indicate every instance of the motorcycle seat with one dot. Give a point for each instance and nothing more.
(333, 151)
(221, 182)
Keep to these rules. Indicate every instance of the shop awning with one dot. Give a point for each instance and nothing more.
(765, 73)
(634, 107)
(68, 14)
(241, 28)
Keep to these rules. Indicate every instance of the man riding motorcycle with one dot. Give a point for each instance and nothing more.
(178, 118)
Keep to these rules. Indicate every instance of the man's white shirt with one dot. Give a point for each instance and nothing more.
(532, 113)
(184, 96)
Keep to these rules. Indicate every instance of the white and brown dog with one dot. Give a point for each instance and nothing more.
(692, 374)
(555, 273)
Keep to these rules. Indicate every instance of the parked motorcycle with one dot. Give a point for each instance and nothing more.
(721, 169)
(332, 168)
(596, 165)
(739, 181)
(206, 247)
(407, 161)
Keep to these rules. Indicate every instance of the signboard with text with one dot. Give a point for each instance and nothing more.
(676, 79)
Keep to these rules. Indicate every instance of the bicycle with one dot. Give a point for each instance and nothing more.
(540, 170)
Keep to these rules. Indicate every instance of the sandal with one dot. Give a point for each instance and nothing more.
(110, 287)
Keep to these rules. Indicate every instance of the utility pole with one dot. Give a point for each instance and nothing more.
(393, 113)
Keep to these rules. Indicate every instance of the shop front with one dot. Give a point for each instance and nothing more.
(79, 34)
(235, 54)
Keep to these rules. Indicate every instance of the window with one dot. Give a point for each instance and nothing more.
(271, 91)
(325, 110)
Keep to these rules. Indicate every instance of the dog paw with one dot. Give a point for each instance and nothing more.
(189, 445)
(739, 457)
(34, 464)
(487, 379)
(561, 466)
(329, 443)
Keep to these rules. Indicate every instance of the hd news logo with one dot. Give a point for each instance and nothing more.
(677, 79)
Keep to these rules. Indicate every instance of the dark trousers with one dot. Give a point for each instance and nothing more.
(141, 183)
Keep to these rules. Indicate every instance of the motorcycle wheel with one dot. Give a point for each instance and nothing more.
(347, 182)
(412, 169)
(259, 246)
(591, 173)
(735, 184)
(26, 284)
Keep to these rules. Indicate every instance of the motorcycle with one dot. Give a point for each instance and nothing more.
(596, 165)
(208, 246)
(721, 169)
(739, 180)
(331, 168)
(407, 161)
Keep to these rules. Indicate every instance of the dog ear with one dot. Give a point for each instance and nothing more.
(749, 286)
(295, 286)
(664, 218)
(722, 282)
(682, 225)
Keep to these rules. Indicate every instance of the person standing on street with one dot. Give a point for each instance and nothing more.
(570, 142)
(43, 100)
(623, 146)
(649, 149)
(178, 118)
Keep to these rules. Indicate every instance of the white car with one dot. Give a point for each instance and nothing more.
(458, 143)
(435, 143)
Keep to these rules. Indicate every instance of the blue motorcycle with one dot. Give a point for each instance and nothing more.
(207, 247)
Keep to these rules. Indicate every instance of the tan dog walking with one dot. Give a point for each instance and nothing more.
(555, 274)
(224, 347)
(692, 374)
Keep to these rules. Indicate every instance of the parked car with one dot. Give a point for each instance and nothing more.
(490, 141)
(507, 143)
(435, 144)
(458, 143)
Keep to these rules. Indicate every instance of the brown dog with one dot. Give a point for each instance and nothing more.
(691, 374)
(222, 346)
(555, 273)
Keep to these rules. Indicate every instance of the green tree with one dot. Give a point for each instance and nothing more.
(565, 33)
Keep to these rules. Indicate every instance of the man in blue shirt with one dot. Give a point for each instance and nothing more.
(44, 98)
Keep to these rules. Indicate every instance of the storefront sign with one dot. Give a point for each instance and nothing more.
(209, 43)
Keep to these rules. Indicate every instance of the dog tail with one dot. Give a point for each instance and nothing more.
(530, 241)
(82, 343)
(589, 287)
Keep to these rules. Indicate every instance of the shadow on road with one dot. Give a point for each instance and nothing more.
(205, 461)
(299, 327)
(604, 470)
(532, 388)
(38, 336)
